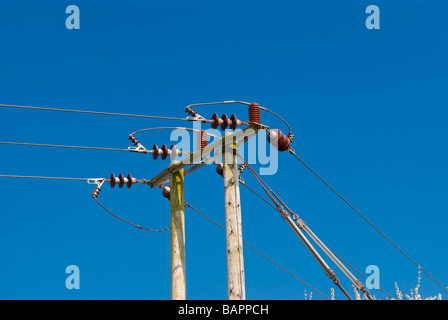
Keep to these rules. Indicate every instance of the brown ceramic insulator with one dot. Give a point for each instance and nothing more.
(121, 178)
(112, 180)
(215, 119)
(202, 140)
(254, 113)
(130, 182)
(219, 169)
(155, 152)
(166, 193)
(234, 123)
(282, 141)
(164, 152)
(225, 122)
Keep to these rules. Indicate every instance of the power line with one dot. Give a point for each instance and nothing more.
(296, 228)
(39, 177)
(259, 252)
(187, 119)
(240, 102)
(270, 204)
(256, 193)
(161, 230)
(173, 128)
(102, 113)
(82, 179)
(62, 146)
(362, 216)
(128, 222)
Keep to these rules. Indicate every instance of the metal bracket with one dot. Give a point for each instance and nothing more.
(139, 148)
(98, 181)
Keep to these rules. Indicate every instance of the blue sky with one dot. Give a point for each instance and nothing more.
(368, 109)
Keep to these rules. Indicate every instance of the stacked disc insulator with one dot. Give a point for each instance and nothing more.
(122, 180)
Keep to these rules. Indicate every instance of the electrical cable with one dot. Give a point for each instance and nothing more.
(297, 230)
(362, 216)
(39, 177)
(284, 121)
(64, 146)
(83, 179)
(245, 103)
(132, 224)
(272, 206)
(172, 128)
(257, 194)
(330, 273)
(187, 205)
(103, 113)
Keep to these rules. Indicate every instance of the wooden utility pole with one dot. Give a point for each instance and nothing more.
(174, 174)
(177, 224)
(234, 239)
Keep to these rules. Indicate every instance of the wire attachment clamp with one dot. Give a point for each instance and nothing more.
(99, 182)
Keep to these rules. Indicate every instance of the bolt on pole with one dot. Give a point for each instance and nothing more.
(177, 224)
(234, 239)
